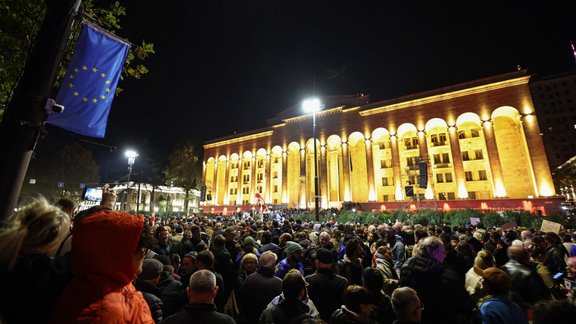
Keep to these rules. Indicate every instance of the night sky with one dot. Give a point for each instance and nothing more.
(226, 66)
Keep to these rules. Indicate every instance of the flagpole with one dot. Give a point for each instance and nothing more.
(25, 114)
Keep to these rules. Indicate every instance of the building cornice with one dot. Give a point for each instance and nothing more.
(447, 96)
(239, 139)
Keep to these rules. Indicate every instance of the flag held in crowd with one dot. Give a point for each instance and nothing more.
(90, 83)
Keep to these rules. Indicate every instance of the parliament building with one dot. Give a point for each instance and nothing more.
(476, 144)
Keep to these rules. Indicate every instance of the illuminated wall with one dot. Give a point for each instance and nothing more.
(480, 141)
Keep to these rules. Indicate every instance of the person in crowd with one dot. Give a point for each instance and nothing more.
(206, 262)
(201, 292)
(267, 244)
(223, 263)
(553, 312)
(483, 260)
(108, 250)
(164, 244)
(178, 234)
(555, 253)
(67, 204)
(398, 252)
(407, 306)
(382, 311)
(498, 247)
(571, 280)
(292, 305)
(259, 288)
(350, 266)
(173, 295)
(383, 260)
(247, 247)
(231, 245)
(293, 259)
(437, 286)
(248, 266)
(527, 286)
(189, 266)
(326, 287)
(357, 307)
(147, 282)
(30, 274)
(497, 307)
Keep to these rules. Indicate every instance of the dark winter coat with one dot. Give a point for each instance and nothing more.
(326, 290)
(439, 288)
(258, 291)
(199, 314)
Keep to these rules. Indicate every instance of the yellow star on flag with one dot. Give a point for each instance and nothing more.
(76, 70)
(107, 81)
(76, 94)
(84, 67)
(107, 89)
(84, 99)
(103, 75)
(71, 76)
(94, 70)
(103, 97)
(71, 85)
(94, 100)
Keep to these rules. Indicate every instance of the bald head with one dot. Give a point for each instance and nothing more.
(518, 253)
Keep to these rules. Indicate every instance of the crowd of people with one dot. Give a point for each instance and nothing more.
(115, 267)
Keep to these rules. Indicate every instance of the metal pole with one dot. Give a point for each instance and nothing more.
(138, 199)
(316, 197)
(25, 114)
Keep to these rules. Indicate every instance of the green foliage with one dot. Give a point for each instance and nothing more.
(493, 219)
(184, 169)
(460, 217)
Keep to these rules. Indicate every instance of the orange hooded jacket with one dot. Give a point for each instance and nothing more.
(103, 249)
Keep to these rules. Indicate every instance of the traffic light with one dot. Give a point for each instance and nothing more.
(423, 178)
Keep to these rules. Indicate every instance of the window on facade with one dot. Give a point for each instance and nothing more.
(233, 202)
(233, 178)
(471, 194)
(448, 177)
(245, 190)
(384, 182)
(246, 165)
(478, 154)
(382, 145)
(482, 175)
(439, 178)
(259, 188)
(275, 189)
(246, 178)
(234, 165)
(275, 175)
(475, 132)
(384, 164)
(437, 159)
(434, 138)
(276, 160)
(275, 202)
(260, 163)
(233, 191)
(386, 198)
(451, 196)
(442, 137)
(468, 176)
(445, 158)
(259, 177)
(245, 202)
(461, 134)
(465, 156)
(442, 196)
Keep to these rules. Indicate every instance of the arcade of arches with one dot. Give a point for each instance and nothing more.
(478, 153)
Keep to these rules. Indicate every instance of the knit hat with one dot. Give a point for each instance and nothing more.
(151, 269)
(192, 254)
(249, 240)
(292, 247)
(163, 258)
(317, 227)
(229, 229)
(496, 277)
(484, 260)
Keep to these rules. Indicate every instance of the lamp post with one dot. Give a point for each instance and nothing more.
(131, 155)
(313, 106)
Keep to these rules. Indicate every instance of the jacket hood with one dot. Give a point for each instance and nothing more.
(103, 247)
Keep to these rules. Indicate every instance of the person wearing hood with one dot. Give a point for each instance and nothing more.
(292, 305)
(108, 249)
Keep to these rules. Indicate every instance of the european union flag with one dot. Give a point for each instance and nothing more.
(90, 83)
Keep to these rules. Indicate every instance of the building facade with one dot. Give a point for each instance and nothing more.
(480, 141)
(554, 99)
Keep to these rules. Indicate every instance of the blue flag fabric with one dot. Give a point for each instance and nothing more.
(90, 83)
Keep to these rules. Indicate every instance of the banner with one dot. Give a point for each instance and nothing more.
(90, 83)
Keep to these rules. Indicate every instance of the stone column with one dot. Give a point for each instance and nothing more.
(370, 171)
(498, 187)
(457, 162)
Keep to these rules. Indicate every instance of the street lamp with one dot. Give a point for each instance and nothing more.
(131, 155)
(313, 106)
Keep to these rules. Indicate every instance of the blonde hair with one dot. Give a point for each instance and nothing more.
(37, 228)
